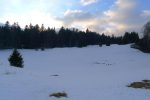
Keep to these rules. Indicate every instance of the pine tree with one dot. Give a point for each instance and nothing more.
(16, 59)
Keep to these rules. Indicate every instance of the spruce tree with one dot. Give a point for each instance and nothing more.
(16, 59)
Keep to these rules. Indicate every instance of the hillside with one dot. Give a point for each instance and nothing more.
(89, 73)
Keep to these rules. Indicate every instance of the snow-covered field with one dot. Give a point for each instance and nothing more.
(89, 73)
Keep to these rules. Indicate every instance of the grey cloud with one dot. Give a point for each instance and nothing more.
(71, 16)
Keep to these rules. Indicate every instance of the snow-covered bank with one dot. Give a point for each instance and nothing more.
(89, 73)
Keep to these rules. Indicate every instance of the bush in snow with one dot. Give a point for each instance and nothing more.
(145, 84)
(59, 94)
(107, 44)
(16, 59)
(42, 49)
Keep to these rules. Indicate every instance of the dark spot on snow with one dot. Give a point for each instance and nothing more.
(59, 94)
(147, 81)
(9, 73)
(145, 84)
(103, 63)
(55, 75)
(97, 63)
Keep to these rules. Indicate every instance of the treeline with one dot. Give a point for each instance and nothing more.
(35, 37)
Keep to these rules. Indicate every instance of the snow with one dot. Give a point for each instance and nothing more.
(89, 73)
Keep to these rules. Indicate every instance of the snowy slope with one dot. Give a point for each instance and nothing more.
(89, 73)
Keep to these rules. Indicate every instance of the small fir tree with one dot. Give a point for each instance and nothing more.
(16, 59)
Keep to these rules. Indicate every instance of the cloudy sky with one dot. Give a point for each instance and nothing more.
(109, 16)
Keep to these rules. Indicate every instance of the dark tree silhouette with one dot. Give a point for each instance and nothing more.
(144, 43)
(39, 37)
(16, 59)
(146, 38)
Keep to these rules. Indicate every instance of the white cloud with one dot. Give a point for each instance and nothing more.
(29, 11)
(146, 13)
(125, 16)
(34, 17)
(120, 17)
(87, 2)
(72, 12)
